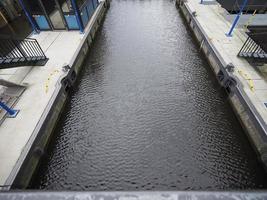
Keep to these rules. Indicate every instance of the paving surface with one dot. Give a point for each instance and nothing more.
(59, 47)
(252, 77)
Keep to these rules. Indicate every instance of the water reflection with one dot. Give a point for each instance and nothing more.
(147, 114)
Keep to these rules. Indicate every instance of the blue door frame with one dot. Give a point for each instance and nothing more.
(72, 20)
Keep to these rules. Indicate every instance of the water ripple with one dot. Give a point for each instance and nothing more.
(148, 114)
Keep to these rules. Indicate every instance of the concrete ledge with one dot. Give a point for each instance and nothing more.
(162, 195)
(27, 163)
(252, 122)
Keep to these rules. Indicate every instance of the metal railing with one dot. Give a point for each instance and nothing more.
(252, 49)
(17, 52)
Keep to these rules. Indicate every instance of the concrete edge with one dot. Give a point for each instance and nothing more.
(250, 119)
(136, 195)
(24, 169)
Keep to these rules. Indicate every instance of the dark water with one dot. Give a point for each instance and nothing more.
(148, 114)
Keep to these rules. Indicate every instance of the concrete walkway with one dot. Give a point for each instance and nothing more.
(43, 84)
(40, 83)
(212, 20)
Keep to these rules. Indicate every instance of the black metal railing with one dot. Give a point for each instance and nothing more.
(254, 47)
(20, 52)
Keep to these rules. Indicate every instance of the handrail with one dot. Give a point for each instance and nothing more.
(251, 48)
(15, 37)
(17, 51)
(259, 33)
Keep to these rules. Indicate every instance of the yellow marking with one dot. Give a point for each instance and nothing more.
(48, 80)
(250, 81)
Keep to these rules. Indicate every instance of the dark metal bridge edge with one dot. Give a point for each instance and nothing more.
(260, 195)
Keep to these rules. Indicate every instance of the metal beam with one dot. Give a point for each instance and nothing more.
(11, 112)
(229, 34)
(78, 15)
(28, 15)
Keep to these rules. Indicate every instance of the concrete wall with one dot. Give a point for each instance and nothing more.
(36, 148)
(244, 109)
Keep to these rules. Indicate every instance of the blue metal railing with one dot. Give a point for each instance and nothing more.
(229, 34)
(11, 112)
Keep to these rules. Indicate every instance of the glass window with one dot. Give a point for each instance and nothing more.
(80, 3)
(53, 13)
(33, 6)
(65, 5)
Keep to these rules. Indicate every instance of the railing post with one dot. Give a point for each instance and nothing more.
(39, 47)
(93, 4)
(229, 34)
(17, 44)
(78, 15)
(10, 111)
(31, 20)
(243, 45)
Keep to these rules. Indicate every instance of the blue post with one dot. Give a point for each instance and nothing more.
(11, 112)
(78, 16)
(201, 2)
(237, 18)
(93, 4)
(35, 29)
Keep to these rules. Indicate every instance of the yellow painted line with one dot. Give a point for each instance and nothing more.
(247, 77)
(48, 80)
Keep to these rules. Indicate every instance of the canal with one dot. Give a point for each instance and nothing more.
(147, 113)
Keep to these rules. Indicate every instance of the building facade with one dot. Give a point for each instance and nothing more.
(59, 14)
(49, 15)
(9, 10)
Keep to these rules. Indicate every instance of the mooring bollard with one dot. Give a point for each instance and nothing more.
(10, 111)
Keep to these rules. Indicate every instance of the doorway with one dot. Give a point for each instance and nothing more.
(53, 14)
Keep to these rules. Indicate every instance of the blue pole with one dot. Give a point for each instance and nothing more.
(10, 111)
(93, 4)
(78, 16)
(237, 18)
(35, 29)
(201, 2)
